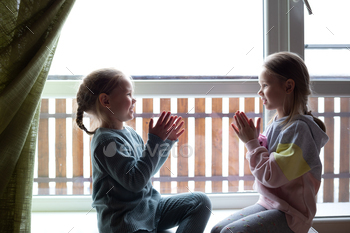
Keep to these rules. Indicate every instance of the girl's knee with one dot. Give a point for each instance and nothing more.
(202, 200)
(228, 230)
(222, 229)
(216, 229)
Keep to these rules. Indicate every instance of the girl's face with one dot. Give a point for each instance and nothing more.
(122, 102)
(272, 92)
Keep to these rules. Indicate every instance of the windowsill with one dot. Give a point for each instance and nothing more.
(83, 203)
(86, 222)
(75, 212)
(219, 202)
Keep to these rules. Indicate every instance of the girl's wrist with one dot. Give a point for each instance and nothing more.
(155, 138)
(252, 144)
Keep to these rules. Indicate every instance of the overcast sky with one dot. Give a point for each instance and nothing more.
(189, 37)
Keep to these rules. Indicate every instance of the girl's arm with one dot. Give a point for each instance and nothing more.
(133, 167)
(263, 165)
(171, 140)
(296, 152)
(164, 156)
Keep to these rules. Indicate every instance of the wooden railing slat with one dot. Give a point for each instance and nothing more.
(165, 187)
(182, 149)
(199, 160)
(147, 107)
(233, 154)
(249, 106)
(77, 153)
(216, 145)
(43, 149)
(60, 147)
(328, 188)
(313, 104)
(344, 150)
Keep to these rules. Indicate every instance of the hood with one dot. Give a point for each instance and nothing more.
(318, 134)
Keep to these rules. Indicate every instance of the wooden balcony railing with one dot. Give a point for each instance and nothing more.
(191, 165)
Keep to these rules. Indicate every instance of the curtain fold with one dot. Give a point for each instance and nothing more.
(29, 32)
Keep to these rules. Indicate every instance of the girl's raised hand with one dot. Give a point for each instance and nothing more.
(176, 133)
(245, 128)
(164, 126)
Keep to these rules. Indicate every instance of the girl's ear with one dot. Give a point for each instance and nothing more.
(290, 85)
(104, 99)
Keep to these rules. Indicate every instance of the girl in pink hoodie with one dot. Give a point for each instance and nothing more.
(285, 158)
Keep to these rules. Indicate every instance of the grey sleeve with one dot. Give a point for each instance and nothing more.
(132, 168)
(165, 154)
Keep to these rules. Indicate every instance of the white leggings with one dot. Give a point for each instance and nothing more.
(254, 218)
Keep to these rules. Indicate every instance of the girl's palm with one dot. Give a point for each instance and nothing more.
(165, 127)
(176, 133)
(245, 128)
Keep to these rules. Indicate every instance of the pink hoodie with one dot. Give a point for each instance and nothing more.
(288, 173)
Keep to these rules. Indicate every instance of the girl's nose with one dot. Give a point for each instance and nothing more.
(260, 92)
(134, 100)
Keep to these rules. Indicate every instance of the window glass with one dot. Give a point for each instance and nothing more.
(162, 38)
(327, 38)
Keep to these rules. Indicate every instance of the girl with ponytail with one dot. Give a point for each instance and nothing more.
(285, 159)
(122, 165)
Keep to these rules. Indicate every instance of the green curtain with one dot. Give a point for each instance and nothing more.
(29, 32)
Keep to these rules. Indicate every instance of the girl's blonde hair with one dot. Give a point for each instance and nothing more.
(97, 82)
(287, 65)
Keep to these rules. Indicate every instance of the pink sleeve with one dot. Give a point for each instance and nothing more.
(264, 166)
(263, 141)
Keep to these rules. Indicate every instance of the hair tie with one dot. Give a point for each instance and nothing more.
(309, 113)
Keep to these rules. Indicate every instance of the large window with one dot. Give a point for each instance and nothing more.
(200, 60)
(158, 40)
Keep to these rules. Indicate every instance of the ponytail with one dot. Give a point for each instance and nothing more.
(318, 121)
(103, 80)
(79, 121)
